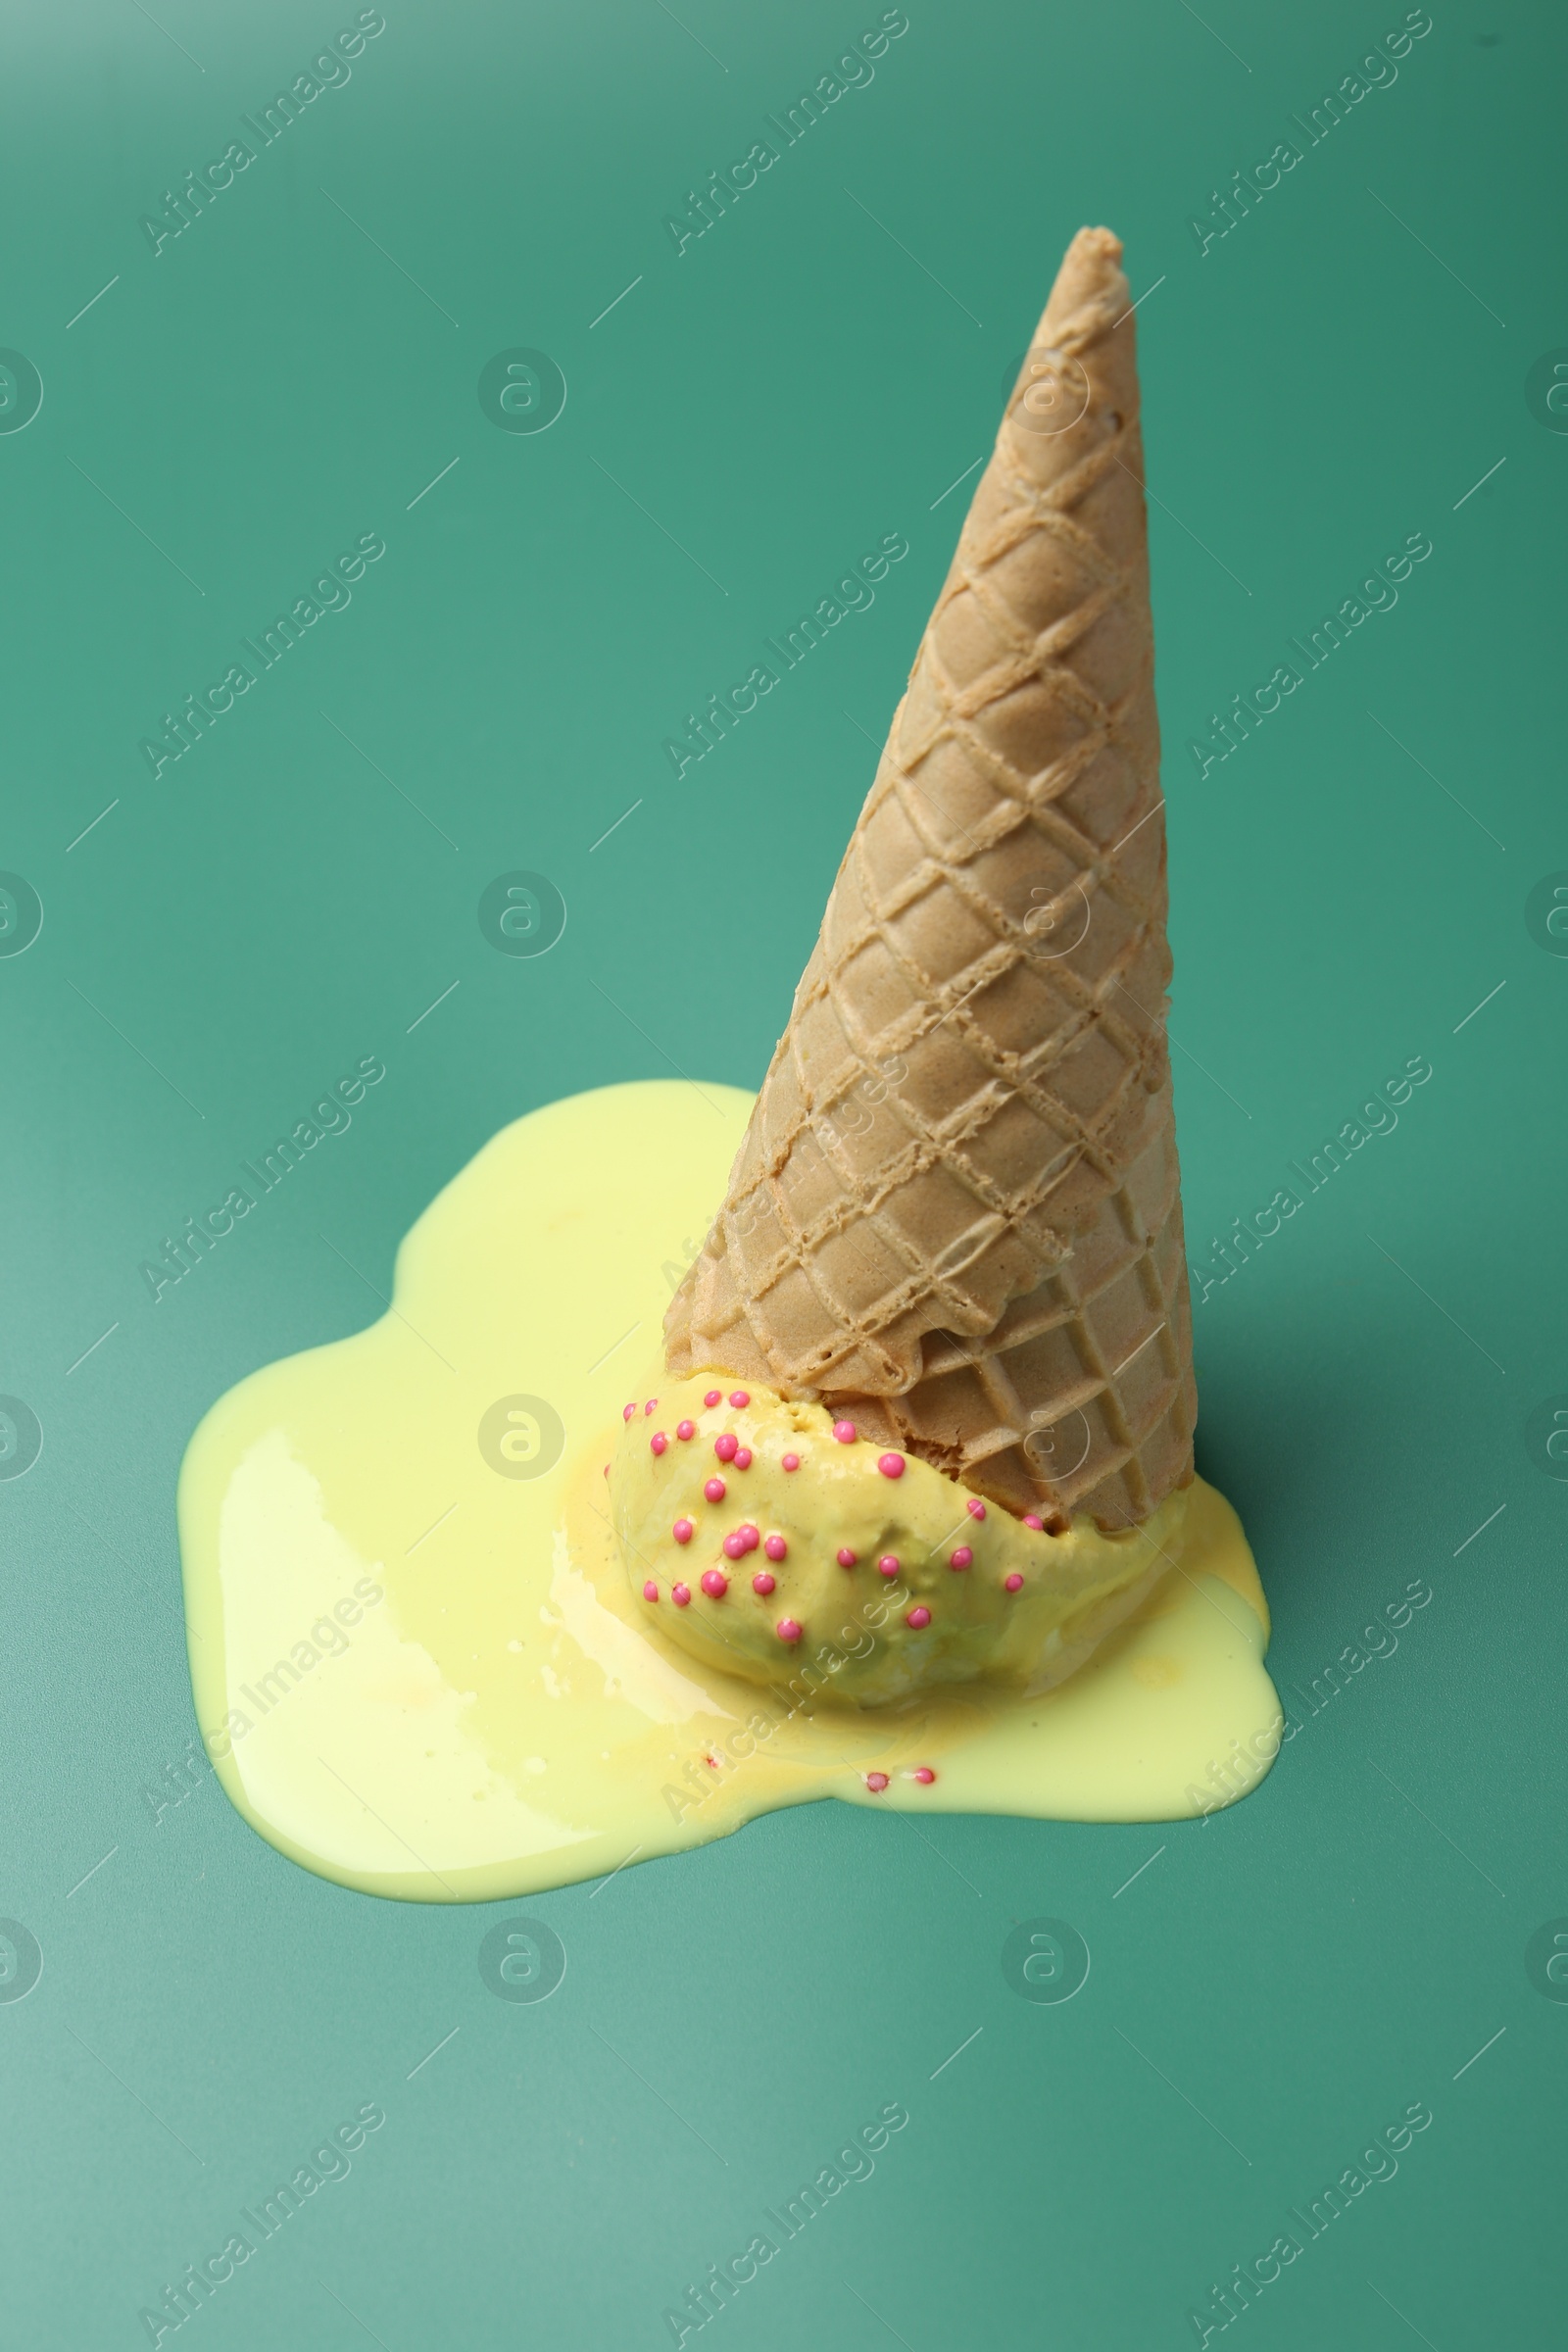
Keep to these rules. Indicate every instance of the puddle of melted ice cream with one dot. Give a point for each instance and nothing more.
(422, 1669)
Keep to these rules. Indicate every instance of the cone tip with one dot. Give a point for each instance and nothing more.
(1090, 294)
(1091, 271)
(1099, 242)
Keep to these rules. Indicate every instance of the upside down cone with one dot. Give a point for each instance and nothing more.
(955, 1215)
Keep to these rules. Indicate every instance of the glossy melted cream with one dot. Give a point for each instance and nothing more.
(419, 1666)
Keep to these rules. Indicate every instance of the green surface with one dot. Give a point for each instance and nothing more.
(289, 374)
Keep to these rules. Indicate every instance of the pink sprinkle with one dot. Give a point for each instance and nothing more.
(918, 1618)
(776, 1548)
(714, 1489)
(762, 1583)
(626, 1411)
(788, 1629)
(888, 1564)
(735, 1545)
(847, 1557)
(715, 1584)
(739, 1397)
(659, 1443)
(975, 1508)
(685, 1430)
(845, 1432)
(877, 1782)
(963, 1557)
(680, 1595)
(891, 1465)
(792, 1461)
(650, 1590)
(924, 1775)
(649, 1406)
(1030, 1520)
(683, 1530)
(743, 1457)
(1014, 1583)
(712, 1398)
(748, 1535)
(726, 1446)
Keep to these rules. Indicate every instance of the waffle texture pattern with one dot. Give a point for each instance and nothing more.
(956, 1216)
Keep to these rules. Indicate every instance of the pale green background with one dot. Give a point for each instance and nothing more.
(1318, 385)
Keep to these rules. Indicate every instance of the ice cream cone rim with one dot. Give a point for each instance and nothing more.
(811, 1378)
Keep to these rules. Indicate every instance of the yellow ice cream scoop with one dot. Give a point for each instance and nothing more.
(773, 1542)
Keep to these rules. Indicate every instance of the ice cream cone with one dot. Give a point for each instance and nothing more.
(955, 1215)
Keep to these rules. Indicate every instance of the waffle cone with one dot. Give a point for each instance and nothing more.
(955, 1215)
